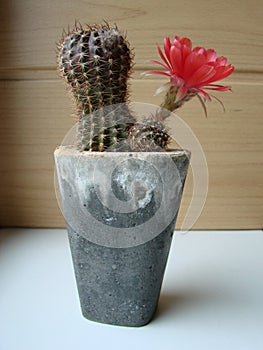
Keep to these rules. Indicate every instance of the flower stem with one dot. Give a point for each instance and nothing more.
(171, 102)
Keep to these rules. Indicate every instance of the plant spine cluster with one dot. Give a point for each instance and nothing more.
(96, 62)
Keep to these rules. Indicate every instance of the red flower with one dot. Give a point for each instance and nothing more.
(192, 71)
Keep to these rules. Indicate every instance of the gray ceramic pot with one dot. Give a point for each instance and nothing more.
(120, 209)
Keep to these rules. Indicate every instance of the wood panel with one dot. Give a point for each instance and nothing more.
(30, 28)
(36, 112)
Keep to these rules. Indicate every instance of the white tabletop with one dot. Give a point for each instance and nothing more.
(212, 296)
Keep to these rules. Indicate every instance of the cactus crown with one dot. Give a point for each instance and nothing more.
(96, 62)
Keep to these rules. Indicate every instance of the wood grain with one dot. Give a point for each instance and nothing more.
(36, 111)
(37, 114)
(30, 28)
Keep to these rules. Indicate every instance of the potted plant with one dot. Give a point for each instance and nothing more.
(120, 184)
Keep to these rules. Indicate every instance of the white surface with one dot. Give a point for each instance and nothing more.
(212, 296)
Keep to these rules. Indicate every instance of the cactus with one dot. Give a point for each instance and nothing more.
(96, 62)
(149, 135)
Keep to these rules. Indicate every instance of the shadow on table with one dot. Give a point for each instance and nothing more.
(168, 303)
(185, 301)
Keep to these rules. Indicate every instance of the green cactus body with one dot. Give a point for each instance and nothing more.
(96, 62)
(148, 135)
(105, 128)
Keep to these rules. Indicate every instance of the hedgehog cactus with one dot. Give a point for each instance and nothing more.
(96, 62)
(149, 135)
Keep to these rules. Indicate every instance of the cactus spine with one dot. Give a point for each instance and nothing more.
(149, 135)
(96, 62)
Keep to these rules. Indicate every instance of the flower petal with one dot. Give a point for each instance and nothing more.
(221, 73)
(211, 55)
(159, 72)
(161, 64)
(199, 50)
(186, 50)
(204, 94)
(186, 42)
(218, 87)
(167, 62)
(162, 88)
(192, 63)
(221, 61)
(204, 73)
(167, 46)
(176, 60)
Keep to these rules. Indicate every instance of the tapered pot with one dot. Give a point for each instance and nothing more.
(120, 209)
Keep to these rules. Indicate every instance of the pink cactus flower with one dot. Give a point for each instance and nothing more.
(192, 71)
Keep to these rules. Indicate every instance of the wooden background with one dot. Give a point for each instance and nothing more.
(36, 111)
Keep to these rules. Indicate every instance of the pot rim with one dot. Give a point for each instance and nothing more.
(72, 150)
